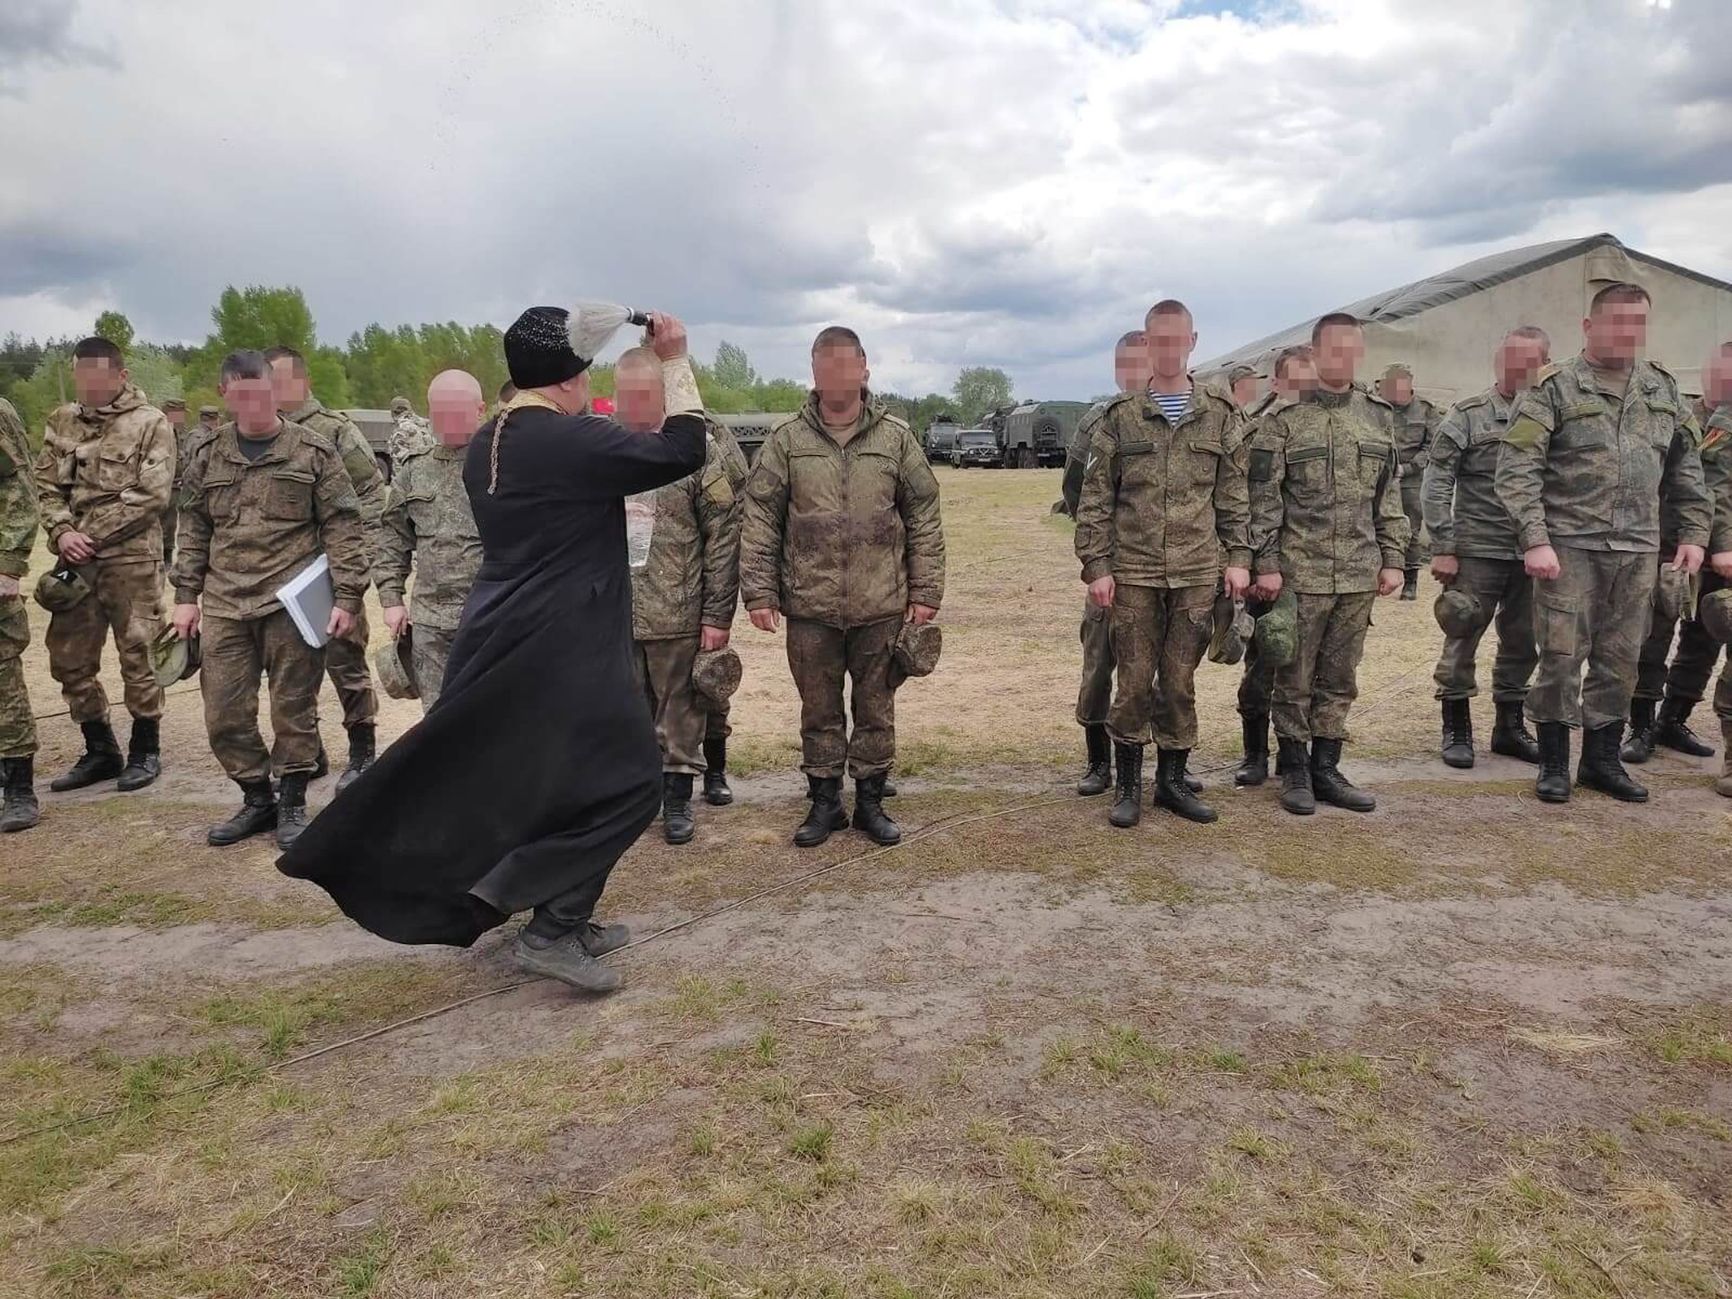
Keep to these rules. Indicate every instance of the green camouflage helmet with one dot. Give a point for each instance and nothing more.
(917, 648)
(395, 665)
(1234, 628)
(1459, 613)
(1277, 634)
(715, 676)
(1671, 593)
(173, 659)
(1715, 615)
(61, 588)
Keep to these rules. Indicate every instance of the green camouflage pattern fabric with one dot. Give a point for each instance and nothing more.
(429, 526)
(1415, 424)
(238, 652)
(1587, 459)
(17, 535)
(1503, 591)
(1162, 503)
(691, 576)
(1095, 694)
(125, 601)
(665, 669)
(821, 658)
(1602, 600)
(1716, 453)
(1077, 457)
(1464, 515)
(109, 473)
(1315, 691)
(1159, 635)
(1325, 502)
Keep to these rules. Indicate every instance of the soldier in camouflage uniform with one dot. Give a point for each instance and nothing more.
(716, 726)
(103, 478)
(411, 432)
(346, 657)
(1242, 384)
(428, 522)
(264, 497)
(17, 532)
(210, 419)
(1474, 551)
(842, 533)
(1095, 694)
(1163, 499)
(174, 411)
(684, 596)
(1715, 414)
(1593, 446)
(1293, 378)
(1326, 520)
(1415, 425)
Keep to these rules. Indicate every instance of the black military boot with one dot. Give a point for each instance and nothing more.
(291, 808)
(567, 958)
(1293, 762)
(1600, 769)
(20, 811)
(716, 790)
(100, 760)
(258, 813)
(677, 824)
(1127, 808)
(322, 764)
(826, 814)
(889, 790)
(1254, 767)
(1410, 587)
(1329, 785)
(1457, 734)
(1672, 729)
(361, 754)
(143, 755)
(1553, 783)
(1640, 746)
(869, 814)
(1099, 776)
(1173, 793)
(1510, 735)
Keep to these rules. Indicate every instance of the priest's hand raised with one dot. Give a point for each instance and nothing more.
(667, 335)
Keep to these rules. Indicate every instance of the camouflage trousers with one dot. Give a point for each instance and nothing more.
(346, 665)
(1691, 667)
(1258, 683)
(1503, 588)
(1314, 693)
(1095, 696)
(125, 600)
(237, 652)
(1418, 546)
(170, 521)
(1596, 612)
(17, 723)
(820, 657)
(664, 668)
(1159, 635)
(429, 652)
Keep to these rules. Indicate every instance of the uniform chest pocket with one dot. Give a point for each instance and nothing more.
(872, 481)
(1308, 467)
(1373, 456)
(1661, 419)
(1582, 427)
(289, 495)
(221, 490)
(1480, 459)
(1203, 461)
(114, 471)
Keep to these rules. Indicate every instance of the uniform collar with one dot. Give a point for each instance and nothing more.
(128, 398)
(278, 450)
(306, 410)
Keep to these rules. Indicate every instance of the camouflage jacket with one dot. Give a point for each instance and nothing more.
(1325, 506)
(428, 522)
(842, 535)
(1415, 426)
(1586, 461)
(1161, 502)
(183, 437)
(17, 494)
(691, 578)
(1077, 458)
(357, 454)
(108, 473)
(1463, 512)
(1716, 426)
(248, 526)
(411, 435)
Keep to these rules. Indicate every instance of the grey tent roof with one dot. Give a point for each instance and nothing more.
(1447, 286)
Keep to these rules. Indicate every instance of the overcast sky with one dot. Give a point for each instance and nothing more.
(991, 182)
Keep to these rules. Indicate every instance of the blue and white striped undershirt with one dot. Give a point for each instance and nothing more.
(1173, 404)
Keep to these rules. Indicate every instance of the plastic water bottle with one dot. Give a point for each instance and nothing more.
(640, 522)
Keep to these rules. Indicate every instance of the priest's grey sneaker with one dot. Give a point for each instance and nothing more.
(565, 958)
(599, 940)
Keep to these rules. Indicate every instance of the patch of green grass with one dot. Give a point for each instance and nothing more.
(1222, 1060)
(86, 1271)
(361, 994)
(1248, 1141)
(358, 1272)
(1697, 1040)
(1320, 1074)
(1166, 1265)
(812, 1143)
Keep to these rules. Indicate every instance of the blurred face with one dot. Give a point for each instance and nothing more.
(176, 418)
(97, 380)
(1171, 339)
(1397, 388)
(455, 407)
(639, 402)
(1130, 366)
(838, 373)
(1297, 377)
(252, 402)
(210, 421)
(1519, 360)
(1245, 390)
(1337, 354)
(1615, 333)
(1717, 380)
(291, 390)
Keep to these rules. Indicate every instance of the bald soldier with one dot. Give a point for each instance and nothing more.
(1415, 425)
(429, 526)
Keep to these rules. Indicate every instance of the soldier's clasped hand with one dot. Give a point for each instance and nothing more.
(1542, 562)
(397, 619)
(1688, 559)
(76, 548)
(186, 621)
(766, 619)
(1389, 580)
(1101, 591)
(1445, 568)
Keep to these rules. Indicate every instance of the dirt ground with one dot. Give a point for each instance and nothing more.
(1465, 1046)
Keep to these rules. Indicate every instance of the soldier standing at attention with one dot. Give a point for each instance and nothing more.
(842, 533)
(1415, 424)
(1095, 694)
(174, 411)
(1594, 445)
(683, 598)
(428, 523)
(1294, 378)
(264, 497)
(716, 726)
(412, 433)
(1681, 688)
(103, 479)
(1242, 383)
(1326, 521)
(17, 532)
(345, 657)
(1163, 497)
(1476, 556)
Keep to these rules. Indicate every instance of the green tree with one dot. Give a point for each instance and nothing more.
(979, 389)
(259, 317)
(155, 373)
(116, 328)
(732, 368)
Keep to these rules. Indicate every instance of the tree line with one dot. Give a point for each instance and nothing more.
(378, 363)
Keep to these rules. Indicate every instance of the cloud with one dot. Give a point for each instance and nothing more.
(40, 31)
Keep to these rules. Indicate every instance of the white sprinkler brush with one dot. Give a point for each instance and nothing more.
(592, 324)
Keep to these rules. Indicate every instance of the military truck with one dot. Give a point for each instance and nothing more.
(1039, 432)
(751, 428)
(377, 426)
(940, 439)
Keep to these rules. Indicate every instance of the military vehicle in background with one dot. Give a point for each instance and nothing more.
(376, 426)
(1039, 432)
(940, 439)
(751, 428)
(976, 446)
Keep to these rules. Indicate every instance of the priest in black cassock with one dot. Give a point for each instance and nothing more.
(537, 767)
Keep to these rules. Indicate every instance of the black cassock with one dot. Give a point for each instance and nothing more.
(537, 767)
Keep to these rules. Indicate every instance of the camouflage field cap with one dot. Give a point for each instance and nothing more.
(1671, 593)
(716, 675)
(1715, 615)
(917, 648)
(400, 405)
(173, 659)
(1234, 628)
(1459, 613)
(61, 588)
(174, 403)
(396, 667)
(1239, 372)
(208, 412)
(1278, 630)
